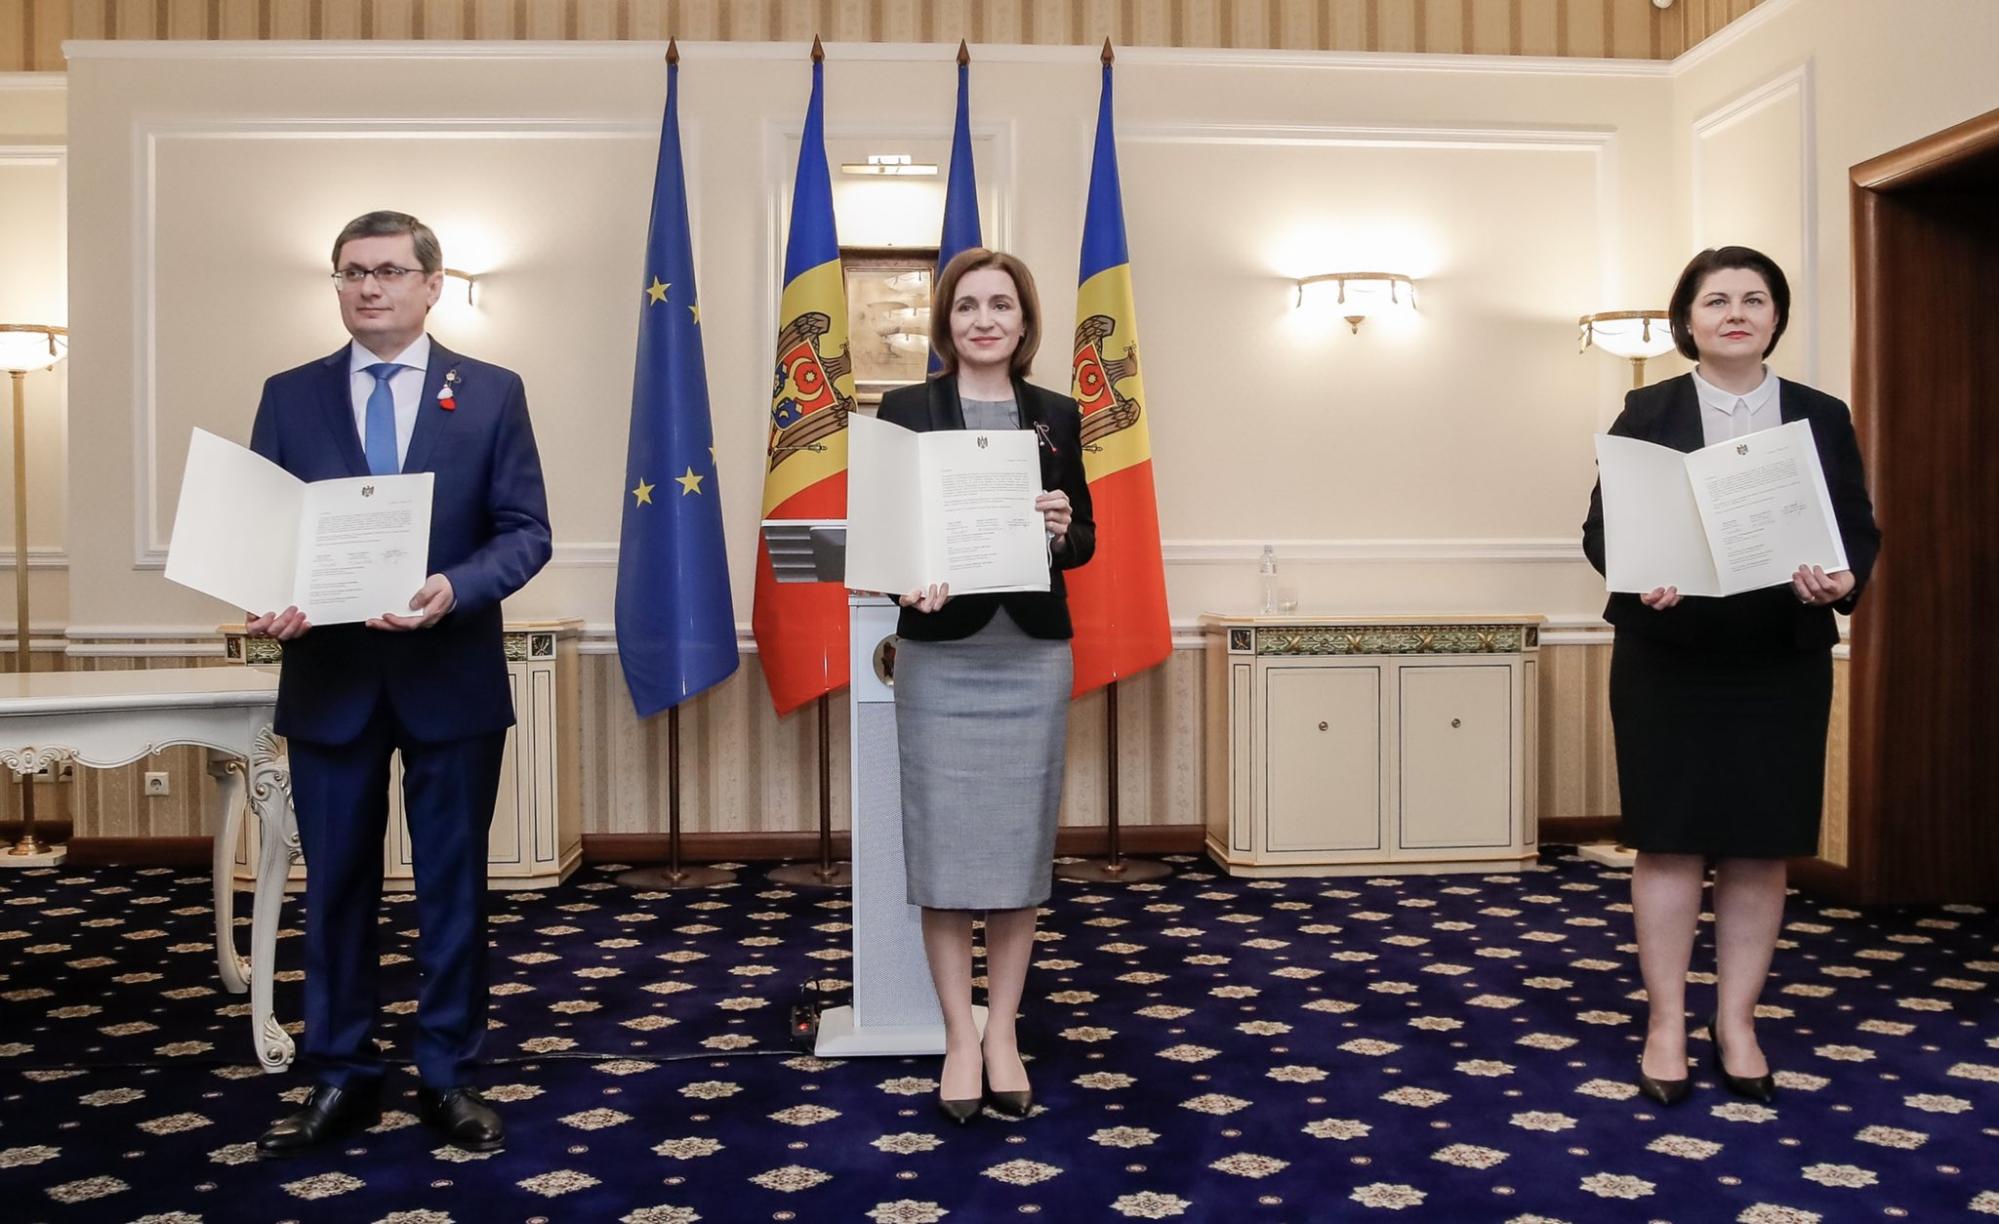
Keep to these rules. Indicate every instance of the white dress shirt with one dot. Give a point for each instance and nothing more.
(1725, 415)
(406, 385)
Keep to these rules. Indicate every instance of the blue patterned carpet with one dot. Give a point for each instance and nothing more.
(1451, 1048)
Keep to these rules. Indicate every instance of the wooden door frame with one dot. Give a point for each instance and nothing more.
(1914, 165)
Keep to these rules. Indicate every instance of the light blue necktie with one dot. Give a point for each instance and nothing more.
(379, 440)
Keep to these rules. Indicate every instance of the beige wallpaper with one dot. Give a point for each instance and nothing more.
(32, 31)
(1438, 463)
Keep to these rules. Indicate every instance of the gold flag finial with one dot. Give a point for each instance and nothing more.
(672, 51)
(1108, 57)
(964, 55)
(818, 52)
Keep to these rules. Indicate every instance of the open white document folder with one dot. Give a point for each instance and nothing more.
(1736, 516)
(952, 506)
(254, 535)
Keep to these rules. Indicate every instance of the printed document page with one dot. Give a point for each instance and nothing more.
(949, 506)
(252, 534)
(1736, 516)
(1765, 507)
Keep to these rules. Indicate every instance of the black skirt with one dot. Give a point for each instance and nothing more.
(1720, 753)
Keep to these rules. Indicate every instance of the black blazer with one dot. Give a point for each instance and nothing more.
(1059, 424)
(1669, 413)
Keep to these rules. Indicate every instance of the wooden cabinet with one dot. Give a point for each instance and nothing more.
(1344, 745)
(536, 837)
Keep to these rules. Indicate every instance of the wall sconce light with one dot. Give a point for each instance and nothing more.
(1635, 334)
(1356, 296)
(898, 164)
(451, 274)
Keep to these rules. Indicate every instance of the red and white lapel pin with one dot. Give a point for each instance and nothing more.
(447, 395)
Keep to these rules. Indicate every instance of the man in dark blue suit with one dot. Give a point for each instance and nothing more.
(431, 685)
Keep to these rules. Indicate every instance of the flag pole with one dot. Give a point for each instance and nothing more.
(1114, 868)
(674, 875)
(825, 873)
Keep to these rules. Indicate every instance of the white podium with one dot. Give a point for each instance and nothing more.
(895, 1006)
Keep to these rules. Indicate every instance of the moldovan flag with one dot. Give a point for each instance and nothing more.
(801, 628)
(1118, 600)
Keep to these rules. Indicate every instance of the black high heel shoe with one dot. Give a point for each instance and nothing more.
(964, 1109)
(1759, 1088)
(1665, 1092)
(1011, 1104)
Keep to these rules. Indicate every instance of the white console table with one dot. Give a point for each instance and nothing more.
(106, 719)
(1344, 745)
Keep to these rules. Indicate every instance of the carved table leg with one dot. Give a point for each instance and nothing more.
(271, 796)
(228, 826)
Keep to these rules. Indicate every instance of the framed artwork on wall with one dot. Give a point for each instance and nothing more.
(888, 316)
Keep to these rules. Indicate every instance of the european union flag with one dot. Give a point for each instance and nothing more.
(676, 624)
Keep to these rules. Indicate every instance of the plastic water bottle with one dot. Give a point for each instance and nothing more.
(1267, 570)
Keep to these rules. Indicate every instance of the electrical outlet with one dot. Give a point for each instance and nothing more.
(157, 786)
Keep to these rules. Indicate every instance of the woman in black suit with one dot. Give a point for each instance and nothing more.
(1720, 706)
(981, 698)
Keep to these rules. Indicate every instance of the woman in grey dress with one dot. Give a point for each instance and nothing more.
(982, 688)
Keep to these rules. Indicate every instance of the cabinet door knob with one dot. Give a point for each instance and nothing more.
(1322, 726)
(1457, 722)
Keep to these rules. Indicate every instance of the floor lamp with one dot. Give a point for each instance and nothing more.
(1633, 334)
(24, 349)
(1636, 336)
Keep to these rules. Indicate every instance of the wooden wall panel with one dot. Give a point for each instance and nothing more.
(1578, 758)
(32, 31)
(1835, 838)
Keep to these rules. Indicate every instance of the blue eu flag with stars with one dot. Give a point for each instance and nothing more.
(676, 624)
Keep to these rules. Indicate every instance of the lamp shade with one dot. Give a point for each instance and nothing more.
(1357, 294)
(26, 347)
(1627, 333)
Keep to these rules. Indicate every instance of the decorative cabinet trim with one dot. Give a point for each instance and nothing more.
(33, 760)
(529, 643)
(1393, 640)
(1398, 636)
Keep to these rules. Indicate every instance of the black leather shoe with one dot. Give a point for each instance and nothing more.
(1665, 1092)
(1759, 1088)
(1011, 1104)
(464, 1118)
(961, 1112)
(329, 1113)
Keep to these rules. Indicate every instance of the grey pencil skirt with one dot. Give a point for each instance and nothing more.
(981, 728)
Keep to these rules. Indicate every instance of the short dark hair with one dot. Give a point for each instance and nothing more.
(971, 260)
(1680, 310)
(385, 224)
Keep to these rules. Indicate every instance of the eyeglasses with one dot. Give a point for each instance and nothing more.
(388, 276)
